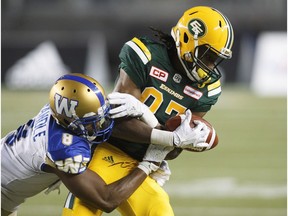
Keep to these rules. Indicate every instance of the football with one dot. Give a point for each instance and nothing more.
(212, 139)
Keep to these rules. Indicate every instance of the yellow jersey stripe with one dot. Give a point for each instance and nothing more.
(214, 85)
(142, 47)
(214, 88)
(138, 51)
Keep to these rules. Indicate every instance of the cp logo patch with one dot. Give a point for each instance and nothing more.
(158, 74)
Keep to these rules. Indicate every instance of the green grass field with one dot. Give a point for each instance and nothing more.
(244, 175)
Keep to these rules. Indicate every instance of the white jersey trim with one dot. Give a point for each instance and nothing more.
(214, 92)
(139, 52)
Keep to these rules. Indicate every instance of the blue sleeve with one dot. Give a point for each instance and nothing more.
(69, 153)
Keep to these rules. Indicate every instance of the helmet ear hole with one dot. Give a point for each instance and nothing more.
(185, 38)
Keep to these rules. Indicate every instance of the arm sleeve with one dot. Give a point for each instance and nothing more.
(71, 158)
(210, 97)
(205, 107)
(132, 64)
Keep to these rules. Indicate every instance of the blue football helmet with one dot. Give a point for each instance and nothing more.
(78, 102)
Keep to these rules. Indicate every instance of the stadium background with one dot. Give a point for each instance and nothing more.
(245, 174)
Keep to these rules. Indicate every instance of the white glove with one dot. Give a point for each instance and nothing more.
(154, 153)
(162, 174)
(186, 137)
(128, 105)
(157, 153)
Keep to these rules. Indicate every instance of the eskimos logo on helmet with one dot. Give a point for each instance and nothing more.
(196, 26)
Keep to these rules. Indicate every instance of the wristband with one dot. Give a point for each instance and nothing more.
(161, 137)
(147, 167)
(148, 117)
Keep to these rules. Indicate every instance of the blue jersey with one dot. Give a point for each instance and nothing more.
(25, 152)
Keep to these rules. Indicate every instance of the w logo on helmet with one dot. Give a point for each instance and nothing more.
(197, 27)
(64, 105)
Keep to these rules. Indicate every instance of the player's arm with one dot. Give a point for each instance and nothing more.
(135, 130)
(130, 129)
(90, 188)
(125, 85)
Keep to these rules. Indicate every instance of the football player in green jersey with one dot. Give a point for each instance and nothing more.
(176, 75)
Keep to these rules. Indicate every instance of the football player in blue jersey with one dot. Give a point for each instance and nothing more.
(56, 145)
(177, 74)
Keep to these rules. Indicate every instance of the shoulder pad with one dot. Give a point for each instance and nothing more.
(140, 48)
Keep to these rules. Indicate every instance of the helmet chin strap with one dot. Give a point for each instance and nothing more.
(177, 42)
(91, 138)
(194, 71)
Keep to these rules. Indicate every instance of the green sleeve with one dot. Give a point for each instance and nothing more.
(133, 66)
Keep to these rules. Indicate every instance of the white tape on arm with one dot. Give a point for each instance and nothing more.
(147, 167)
(148, 117)
(161, 137)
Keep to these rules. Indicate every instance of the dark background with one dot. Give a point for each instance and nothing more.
(71, 23)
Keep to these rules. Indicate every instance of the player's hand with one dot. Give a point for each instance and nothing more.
(128, 105)
(162, 174)
(155, 154)
(186, 137)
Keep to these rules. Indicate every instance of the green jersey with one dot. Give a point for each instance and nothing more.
(164, 90)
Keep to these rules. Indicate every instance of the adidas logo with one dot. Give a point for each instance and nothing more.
(109, 159)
